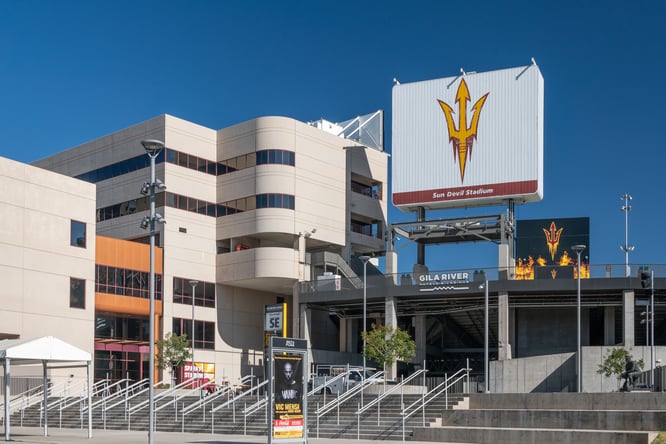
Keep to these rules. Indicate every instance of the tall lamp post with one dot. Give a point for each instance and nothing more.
(153, 148)
(486, 364)
(649, 326)
(193, 283)
(626, 247)
(579, 358)
(365, 260)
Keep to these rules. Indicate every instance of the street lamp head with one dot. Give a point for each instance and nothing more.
(365, 258)
(152, 146)
(194, 283)
(145, 188)
(578, 248)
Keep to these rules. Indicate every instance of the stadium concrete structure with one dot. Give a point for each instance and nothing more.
(278, 211)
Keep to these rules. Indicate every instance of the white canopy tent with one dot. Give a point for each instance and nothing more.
(43, 350)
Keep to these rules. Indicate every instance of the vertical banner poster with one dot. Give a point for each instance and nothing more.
(288, 419)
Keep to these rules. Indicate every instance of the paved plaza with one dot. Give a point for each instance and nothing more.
(66, 436)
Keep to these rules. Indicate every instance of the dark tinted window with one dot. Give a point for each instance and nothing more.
(78, 234)
(77, 293)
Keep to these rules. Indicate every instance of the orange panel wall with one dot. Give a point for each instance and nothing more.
(126, 254)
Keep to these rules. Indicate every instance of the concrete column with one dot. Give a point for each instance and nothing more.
(504, 343)
(305, 315)
(296, 313)
(343, 346)
(628, 318)
(391, 319)
(391, 259)
(420, 338)
(351, 332)
(609, 326)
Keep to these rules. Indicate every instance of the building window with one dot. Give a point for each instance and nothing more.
(182, 293)
(77, 236)
(280, 157)
(77, 293)
(198, 206)
(126, 282)
(204, 332)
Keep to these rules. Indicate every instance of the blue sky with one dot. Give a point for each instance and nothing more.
(72, 71)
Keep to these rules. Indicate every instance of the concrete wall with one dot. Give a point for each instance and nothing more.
(557, 373)
(37, 259)
(568, 401)
(550, 373)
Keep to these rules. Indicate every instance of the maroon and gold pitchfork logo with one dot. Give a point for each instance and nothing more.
(463, 136)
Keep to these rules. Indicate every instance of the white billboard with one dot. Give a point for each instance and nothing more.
(470, 140)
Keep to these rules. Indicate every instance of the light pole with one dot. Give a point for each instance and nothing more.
(365, 260)
(626, 247)
(153, 149)
(651, 316)
(579, 361)
(193, 283)
(486, 364)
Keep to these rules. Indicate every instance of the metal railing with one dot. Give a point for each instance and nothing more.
(257, 406)
(409, 278)
(24, 399)
(346, 396)
(123, 395)
(226, 391)
(143, 404)
(255, 390)
(433, 394)
(67, 394)
(378, 400)
(327, 383)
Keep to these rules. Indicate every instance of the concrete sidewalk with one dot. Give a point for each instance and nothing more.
(66, 436)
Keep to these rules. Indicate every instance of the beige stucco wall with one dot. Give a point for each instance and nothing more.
(37, 260)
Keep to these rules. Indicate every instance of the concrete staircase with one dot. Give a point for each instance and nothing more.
(562, 418)
(342, 423)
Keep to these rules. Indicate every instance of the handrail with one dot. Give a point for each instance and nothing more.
(247, 411)
(436, 391)
(18, 399)
(390, 391)
(239, 396)
(225, 390)
(375, 378)
(442, 387)
(327, 382)
(254, 407)
(145, 402)
(105, 396)
(63, 390)
(129, 389)
(178, 398)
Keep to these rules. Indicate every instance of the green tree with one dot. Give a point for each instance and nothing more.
(385, 345)
(615, 362)
(173, 352)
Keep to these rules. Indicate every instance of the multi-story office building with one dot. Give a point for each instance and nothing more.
(47, 259)
(250, 210)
